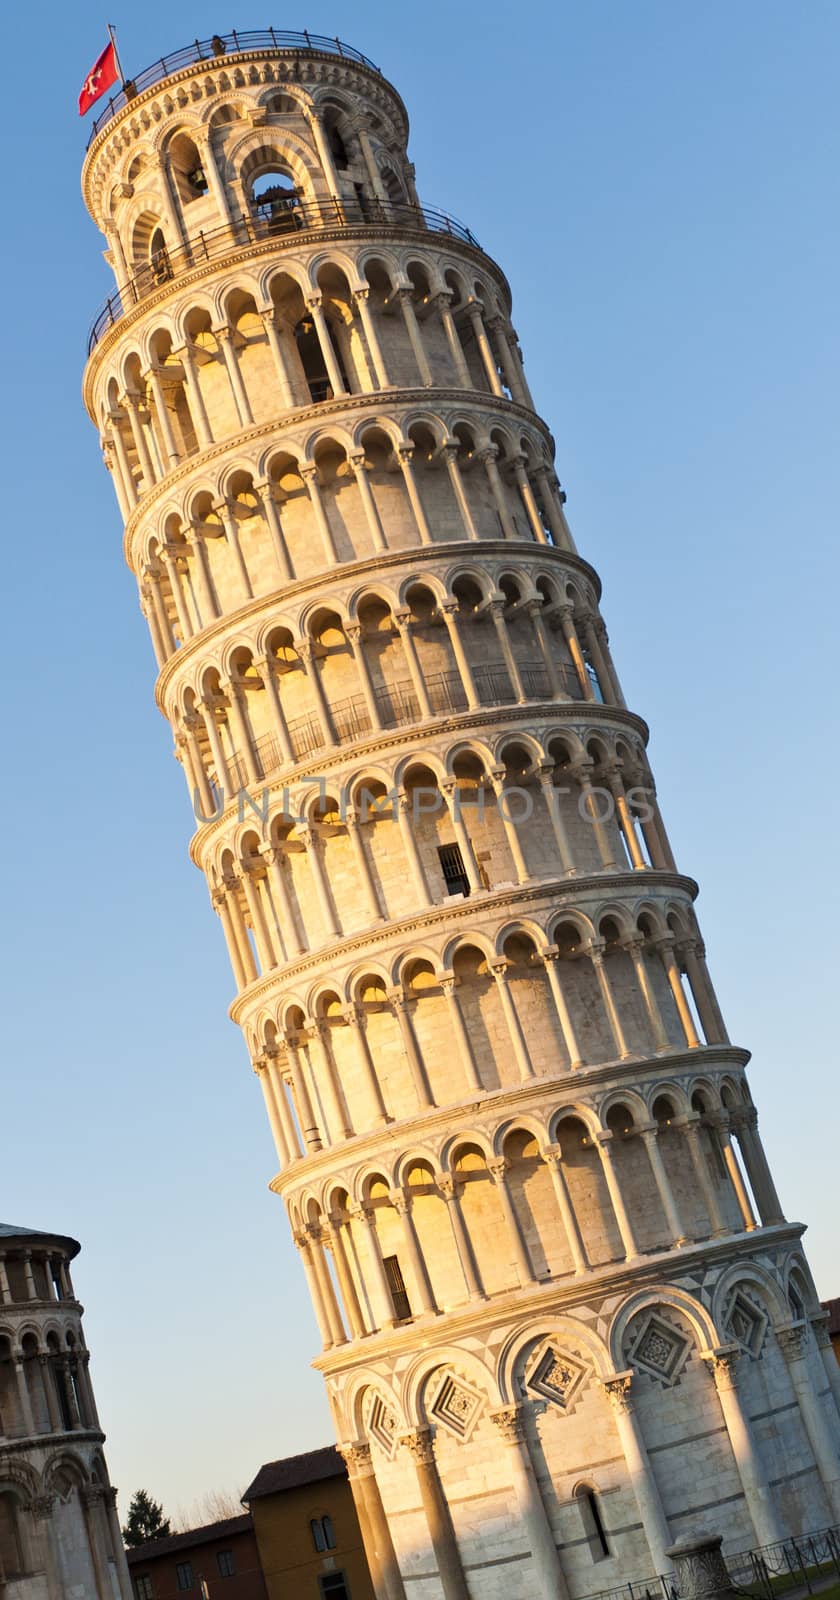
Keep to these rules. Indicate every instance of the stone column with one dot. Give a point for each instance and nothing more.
(452, 796)
(306, 1115)
(198, 410)
(354, 1018)
(650, 1137)
(582, 771)
(822, 1437)
(553, 510)
(569, 631)
(309, 839)
(483, 343)
(354, 833)
(634, 944)
(596, 956)
(603, 1143)
(530, 504)
(238, 718)
(534, 610)
(382, 1306)
(405, 823)
(518, 1041)
(275, 531)
(758, 1169)
(324, 340)
(449, 612)
(207, 594)
(138, 430)
(56, 1424)
(401, 1202)
(309, 474)
(153, 378)
(525, 1271)
(357, 462)
(450, 456)
(625, 820)
(5, 1291)
(449, 1190)
(693, 955)
(42, 1508)
(91, 1498)
(318, 1034)
(438, 1516)
(273, 337)
(412, 328)
(405, 453)
(533, 1517)
(354, 635)
(225, 340)
(443, 304)
(376, 1532)
(313, 1282)
(220, 902)
(520, 865)
(665, 947)
(640, 1473)
(362, 299)
(265, 667)
(126, 475)
(496, 613)
(418, 682)
(278, 1079)
(721, 1125)
(552, 801)
(449, 985)
(288, 931)
(334, 1236)
(722, 1364)
(228, 518)
(322, 1273)
(399, 1003)
(489, 457)
(550, 955)
(689, 1126)
(553, 1157)
(171, 555)
(23, 1396)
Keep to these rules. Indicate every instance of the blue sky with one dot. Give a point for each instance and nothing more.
(659, 181)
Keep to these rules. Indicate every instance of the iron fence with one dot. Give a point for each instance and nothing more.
(268, 220)
(802, 1563)
(222, 45)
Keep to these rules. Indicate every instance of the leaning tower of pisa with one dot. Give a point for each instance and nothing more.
(563, 1318)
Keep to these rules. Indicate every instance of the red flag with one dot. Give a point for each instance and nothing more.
(102, 74)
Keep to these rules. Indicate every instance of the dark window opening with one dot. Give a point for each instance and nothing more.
(323, 1533)
(396, 1284)
(144, 1588)
(338, 148)
(184, 1575)
(593, 1524)
(452, 867)
(225, 1563)
(334, 1586)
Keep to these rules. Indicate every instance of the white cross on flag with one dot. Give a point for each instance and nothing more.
(102, 74)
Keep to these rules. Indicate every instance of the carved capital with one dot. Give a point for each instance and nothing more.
(41, 1506)
(510, 1421)
(793, 1340)
(722, 1363)
(617, 1390)
(357, 1458)
(419, 1442)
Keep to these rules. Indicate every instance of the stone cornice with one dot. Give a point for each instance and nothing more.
(556, 890)
(46, 1441)
(351, 571)
(379, 401)
(569, 1087)
(557, 1296)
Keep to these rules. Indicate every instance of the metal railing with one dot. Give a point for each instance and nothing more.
(268, 220)
(398, 705)
(222, 45)
(802, 1563)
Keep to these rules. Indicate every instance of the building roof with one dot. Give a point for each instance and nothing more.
(228, 1528)
(63, 1240)
(295, 1471)
(833, 1309)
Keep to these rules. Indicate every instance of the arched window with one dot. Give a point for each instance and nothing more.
(593, 1522)
(323, 1533)
(312, 359)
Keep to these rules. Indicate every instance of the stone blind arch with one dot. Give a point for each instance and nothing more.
(463, 1362)
(566, 1331)
(525, 1122)
(707, 1332)
(749, 1274)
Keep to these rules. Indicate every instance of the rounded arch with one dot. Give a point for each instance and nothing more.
(567, 1331)
(463, 1362)
(706, 1330)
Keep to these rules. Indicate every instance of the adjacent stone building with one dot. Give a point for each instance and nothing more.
(59, 1534)
(220, 1559)
(564, 1320)
(307, 1529)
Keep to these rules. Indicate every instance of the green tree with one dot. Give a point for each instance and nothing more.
(145, 1521)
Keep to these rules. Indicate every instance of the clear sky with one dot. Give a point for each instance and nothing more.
(659, 181)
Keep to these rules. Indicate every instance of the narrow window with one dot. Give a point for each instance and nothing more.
(144, 1588)
(452, 867)
(225, 1563)
(316, 1528)
(396, 1284)
(184, 1575)
(329, 1532)
(593, 1523)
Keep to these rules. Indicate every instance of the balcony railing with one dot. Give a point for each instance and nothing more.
(222, 45)
(398, 705)
(269, 220)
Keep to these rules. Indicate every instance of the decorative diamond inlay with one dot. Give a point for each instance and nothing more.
(659, 1349)
(746, 1323)
(555, 1376)
(382, 1425)
(456, 1406)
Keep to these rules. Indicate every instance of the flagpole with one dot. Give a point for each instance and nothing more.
(113, 37)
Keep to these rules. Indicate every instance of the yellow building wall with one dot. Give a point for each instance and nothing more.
(290, 1562)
